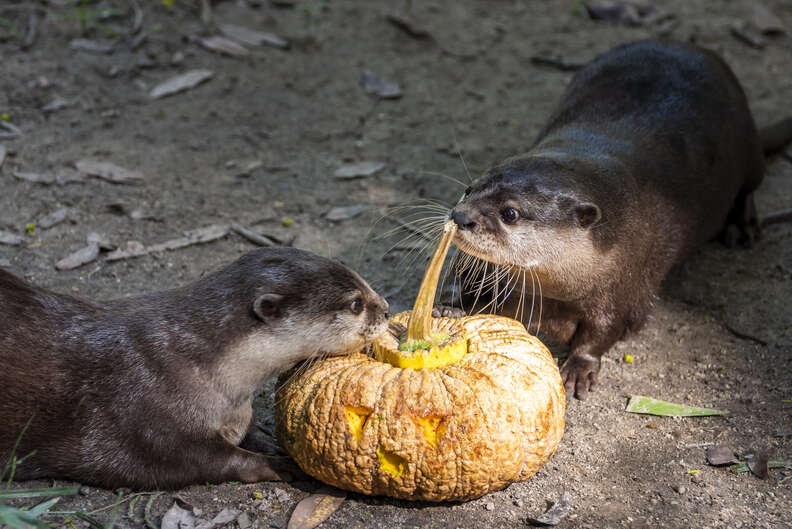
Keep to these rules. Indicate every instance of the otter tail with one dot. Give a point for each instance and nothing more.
(776, 136)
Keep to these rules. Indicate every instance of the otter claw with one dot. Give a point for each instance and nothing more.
(580, 374)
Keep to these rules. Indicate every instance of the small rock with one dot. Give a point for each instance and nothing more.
(243, 521)
(53, 219)
(680, 489)
(489, 506)
(519, 503)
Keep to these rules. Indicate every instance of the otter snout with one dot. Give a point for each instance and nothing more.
(463, 219)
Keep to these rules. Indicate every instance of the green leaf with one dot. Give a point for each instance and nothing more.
(771, 463)
(39, 493)
(651, 406)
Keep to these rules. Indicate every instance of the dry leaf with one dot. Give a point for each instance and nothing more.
(344, 213)
(53, 219)
(92, 46)
(36, 178)
(766, 21)
(109, 171)
(316, 508)
(57, 103)
(251, 37)
(743, 32)
(380, 87)
(721, 455)
(11, 239)
(409, 26)
(79, 258)
(252, 236)
(243, 522)
(358, 170)
(180, 83)
(9, 130)
(225, 46)
(102, 241)
(557, 512)
(178, 518)
(2, 155)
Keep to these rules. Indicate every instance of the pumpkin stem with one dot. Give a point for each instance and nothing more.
(419, 326)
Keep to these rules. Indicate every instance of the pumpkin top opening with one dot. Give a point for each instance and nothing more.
(446, 345)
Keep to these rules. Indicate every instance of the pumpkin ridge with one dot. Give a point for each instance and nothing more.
(392, 374)
(328, 427)
(457, 482)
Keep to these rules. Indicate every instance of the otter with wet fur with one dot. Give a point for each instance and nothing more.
(651, 152)
(155, 392)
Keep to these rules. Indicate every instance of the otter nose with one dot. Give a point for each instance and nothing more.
(463, 220)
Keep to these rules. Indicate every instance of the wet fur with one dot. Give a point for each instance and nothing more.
(155, 391)
(659, 138)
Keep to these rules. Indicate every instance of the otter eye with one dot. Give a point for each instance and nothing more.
(357, 306)
(510, 215)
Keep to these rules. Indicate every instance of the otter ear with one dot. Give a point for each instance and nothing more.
(587, 214)
(267, 306)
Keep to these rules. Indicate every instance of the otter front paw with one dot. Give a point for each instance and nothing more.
(444, 311)
(579, 374)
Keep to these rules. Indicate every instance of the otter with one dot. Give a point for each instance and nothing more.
(155, 391)
(651, 152)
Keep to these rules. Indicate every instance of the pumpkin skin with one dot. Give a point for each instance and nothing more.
(451, 433)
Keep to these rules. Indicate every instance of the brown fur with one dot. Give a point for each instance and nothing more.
(651, 152)
(155, 392)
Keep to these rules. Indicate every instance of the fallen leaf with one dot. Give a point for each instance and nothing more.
(57, 103)
(651, 406)
(743, 32)
(92, 46)
(358, 170)
(557, 62)
(766, 21)
(10, 239)
(627, 12)
(316, 508)
(758, 464)
(410, 27)
(53, 219)
(79, 258)
(224, 45)
(771, 463)
(102, 241)
(180, 83)
(9, 130)
(36, 178)
(197, 236)
(377, 86)
(721, 455)
(178, 518)
(130, 249)
(251, 37)
(557, 512)
(2, 155)
(344, 213)
(109, 171)
(243, 522)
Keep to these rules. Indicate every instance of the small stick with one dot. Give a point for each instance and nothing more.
(252, 236)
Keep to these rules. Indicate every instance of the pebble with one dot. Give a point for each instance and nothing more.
(519, 503)
(680, 489)
(489, 506)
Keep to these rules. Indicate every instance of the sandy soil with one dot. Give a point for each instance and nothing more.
(300, 114)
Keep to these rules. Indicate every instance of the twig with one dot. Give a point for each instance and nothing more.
(32, 31)
(782, 215)
(137, 22)
(744, 336)
(252, 236)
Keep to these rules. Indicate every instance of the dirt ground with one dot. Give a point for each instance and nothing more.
(259, 143)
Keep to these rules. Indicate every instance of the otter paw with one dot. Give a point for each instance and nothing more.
(444, 311)
(579, 374)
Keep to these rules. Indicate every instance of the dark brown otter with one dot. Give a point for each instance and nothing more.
(651, 152)
(155, 391)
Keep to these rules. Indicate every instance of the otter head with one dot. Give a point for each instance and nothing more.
(530, 213)
(292, 305)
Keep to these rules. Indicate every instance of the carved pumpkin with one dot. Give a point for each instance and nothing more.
(451, 421)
